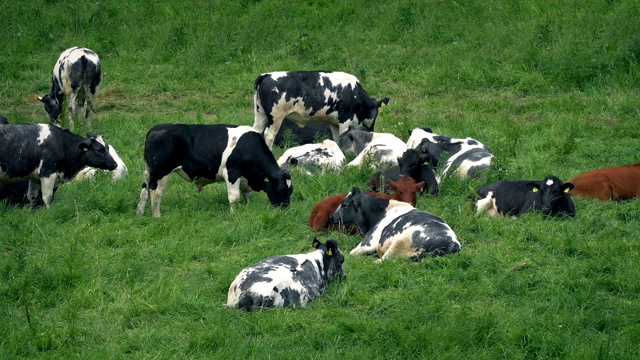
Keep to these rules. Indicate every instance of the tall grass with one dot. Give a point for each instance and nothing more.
(551, 87)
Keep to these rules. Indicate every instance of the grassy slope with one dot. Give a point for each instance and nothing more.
(551, 88)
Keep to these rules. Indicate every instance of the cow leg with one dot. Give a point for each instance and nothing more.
(32, 192)
(335, 132)
(156, 195)
(233, 191)
(47, 186)
(71, 109)
(487, 204)
(271, 131)
(399, 247)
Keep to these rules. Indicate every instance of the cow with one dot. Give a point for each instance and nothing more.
(47, 156)
(409, 164)
(301, 135)
(119, 173)
(612, 183)
(237, 155)
(76, 75)
(406, 189)
(380, 149)
(394, 229)
(313, 158)
(306, 97)
(467, 157)
(515, 197)
(287, 280)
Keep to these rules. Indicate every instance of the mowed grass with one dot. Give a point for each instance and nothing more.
(551, 88)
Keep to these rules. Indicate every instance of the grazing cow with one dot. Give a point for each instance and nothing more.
(204, 154)
(467, 156)
(306, 97)
(287, 280)
(308, 134)
(409, 164)
(394, 229)
(513, 198)
(118, 174)
(383, 149)
(406, 189)
(47, 156)
(613, 183)
(76, 75)
(313, 157)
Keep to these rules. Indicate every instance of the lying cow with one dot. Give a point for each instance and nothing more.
(288, 280)
(204, 154)
(120, 171)
(612, 183)
(465, 157)
(513, 198)
(314, 158)
(409, 164)
(394, 229)
(76, 75)
(47, 156)
(291, 133)
(406, 189)
(306, 97)
(381, 149)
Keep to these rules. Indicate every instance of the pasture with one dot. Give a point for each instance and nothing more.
(551, 87)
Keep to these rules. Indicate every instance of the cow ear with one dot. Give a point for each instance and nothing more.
(315, 243)
(332, 247)
(84, 146)
(568, 187)
(533, 187)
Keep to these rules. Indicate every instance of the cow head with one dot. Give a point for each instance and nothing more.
(279, 188)
(96, 155)
(411, 162)
(406, 189)
(370, 120)
(52, 105)
(349, 212)
(332, 258)
(353, 141)
(552, 196)
(431, 152)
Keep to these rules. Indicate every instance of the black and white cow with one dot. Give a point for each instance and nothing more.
(313, 158)
(515, 197)
(47, 156)
(76, 75)
(204, 154)
(293, 134)
(409, 164)
(287, 280)
(465, 157)
(379, 149)
(120, 171)
(306, 97)
(394, 229)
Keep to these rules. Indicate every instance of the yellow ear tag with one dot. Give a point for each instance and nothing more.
(535, 189)
(567, 190)
(40, 98)
(266, 179)
(329, 252)
(425, 163)
(383, 105)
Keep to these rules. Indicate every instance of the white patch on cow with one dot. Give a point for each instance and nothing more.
(549, 182)
(277, 74)
(341, 78)
(465, 166)
(488, 204)
(394, 209)
(44, 133)
(383, 150)
(307, 155)
(416, 138)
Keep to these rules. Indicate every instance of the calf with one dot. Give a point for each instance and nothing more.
(613, 183)
(308, 134)
(288, 280)
(513, 198)
(383, 149)
(409, 164)
(204, 154)
(394, 229)
(47, 156)
(467, 156)
(76, 75)
(314, 157)
(306, 97)
(406, 189)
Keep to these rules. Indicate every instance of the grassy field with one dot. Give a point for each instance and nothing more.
(551, 87)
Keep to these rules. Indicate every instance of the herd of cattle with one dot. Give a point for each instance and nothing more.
(339, 116)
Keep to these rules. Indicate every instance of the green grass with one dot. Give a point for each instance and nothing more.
(551, 87)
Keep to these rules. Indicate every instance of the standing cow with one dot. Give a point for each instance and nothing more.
(513, 198)
(305, 97)
(612, 183)
(288, 280)
(204, 154)
(76, 75)
(47, 156)
(394, 229)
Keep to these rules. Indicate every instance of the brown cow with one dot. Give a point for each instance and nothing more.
(406, 189)
(613, 183)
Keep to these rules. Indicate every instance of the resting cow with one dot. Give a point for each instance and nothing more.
(47, 156)
(76, 75)
(513, 198)
(292, 134)
(381, 149)
(288, 280)
(306, 97)
(204, 154)
(394, 229)
(406, 189)
(409, 164)
(613, 183)
(313, 158)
